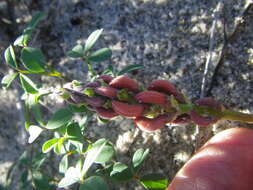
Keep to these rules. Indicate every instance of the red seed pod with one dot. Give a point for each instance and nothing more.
(95, 101)
(152, 97)
(78, 97)
(106, 78)
(124, 82)
(149, 125)
(163, 86)
(167, 88)
(127, 110)
(93, 84)
(106, 113)
(106, 91)
(205, 120)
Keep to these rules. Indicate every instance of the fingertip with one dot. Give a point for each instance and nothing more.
(224, 162)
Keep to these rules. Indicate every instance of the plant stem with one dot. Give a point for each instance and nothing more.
(51, 74)
(224, 115)
(237, 116)
(92, 73)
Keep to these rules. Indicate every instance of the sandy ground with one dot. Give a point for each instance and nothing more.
(171, 40)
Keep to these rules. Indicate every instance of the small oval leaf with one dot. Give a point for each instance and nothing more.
(28, 85)
(106, 153)
(36, 19)
(101, 55)
(121, 172)
(71, 177)
(92, 156)
(93, 37)
(10, 57)
(34, 131)
(7, 80)
(154, 181)
(49, 145)
(138, 158)
(33, 59)
(94, 183)
(59, 118)
(130, 68)
(76, 52)
(64, 163)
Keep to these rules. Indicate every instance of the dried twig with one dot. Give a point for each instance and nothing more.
(211, 47)
(228, 39)
(203, 134)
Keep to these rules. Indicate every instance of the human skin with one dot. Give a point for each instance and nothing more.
(225, 162)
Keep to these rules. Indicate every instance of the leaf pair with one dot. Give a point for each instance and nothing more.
(80, 51)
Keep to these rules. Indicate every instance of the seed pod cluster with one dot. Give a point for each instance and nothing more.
(151, 109)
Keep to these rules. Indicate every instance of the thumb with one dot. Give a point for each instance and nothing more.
(224, 162)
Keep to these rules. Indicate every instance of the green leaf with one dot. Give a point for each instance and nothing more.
(24, 38)
(33, 59)
(76, 52)
(23, 159)
(64, 164)
(34, 107)
(49, 145)
(154, 181)
(94, 183)
(106, 153)
(7, 80)
(34, 131)
(27, 84)
(59, 118)
(24, 177)
(93, 37)
(92, 156)
(71, 177)
(105, 172)
(38, 160)
(42, 182)
(36, 19)
(121, 172)
(138, 158)
(78, 109)
(109, 70)
(101, 55)
(59, 149)
(74, 131)
(130, 68)
(10, 58)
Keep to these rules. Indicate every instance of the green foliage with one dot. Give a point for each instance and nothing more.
(10, 57)
(93, 37)
(49, 145)
(121, 172)
(106, 153)
(27, 84)
(64, 163)
(33, 59)
(94, 183)
(26, 35)
(76, 52)
(7, 80)
(139, 157)
(92, 155)
(130, 68)
(69, 132)
(154, 181)
(59, 118)
(34, 131)
(100, 55)
(42, 182)
(72, 176)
